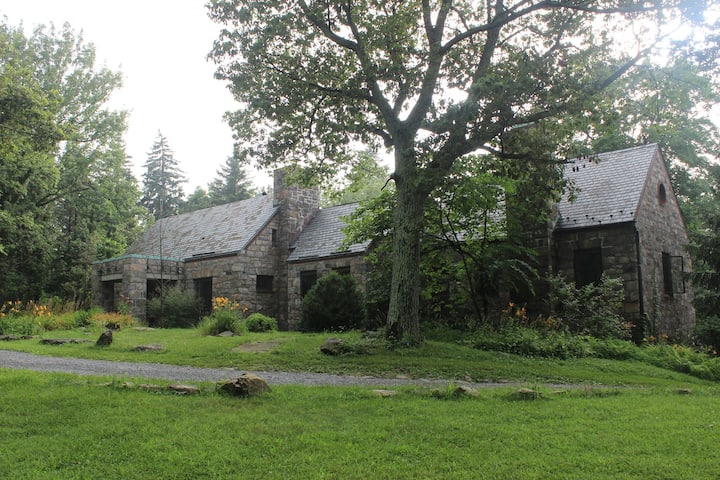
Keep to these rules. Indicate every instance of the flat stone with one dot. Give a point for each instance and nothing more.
(62, 341)
(385, 393)
(148, 348)
(184, 389)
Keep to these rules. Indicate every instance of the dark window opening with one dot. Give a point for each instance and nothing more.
(273, 234)
(307, 280)
(662, 194)
(264, 283)
(203, 292)
(343, 270)
(588, 266)
(673, 274)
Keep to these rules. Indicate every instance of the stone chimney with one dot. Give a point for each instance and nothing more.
(298, 206)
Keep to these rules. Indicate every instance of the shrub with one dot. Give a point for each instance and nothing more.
(257, 322)
(173, 308)
(595, 309)
(707, 332)
(334, 303)
(529, 342)
(225, 317)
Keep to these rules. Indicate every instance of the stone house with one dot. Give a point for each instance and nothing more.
(266, 252)
(625, 222)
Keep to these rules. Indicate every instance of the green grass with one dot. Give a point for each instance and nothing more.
(56, 426)
(300, 352)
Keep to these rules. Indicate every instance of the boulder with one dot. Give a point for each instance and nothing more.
(332, 346)
(245, 385)
(62, 341)
(105, 339)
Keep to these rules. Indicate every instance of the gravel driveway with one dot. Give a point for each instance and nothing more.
(27, 361)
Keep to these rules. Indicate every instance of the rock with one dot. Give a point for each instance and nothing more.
(684, 391)
(464, 390)
(105, 339)
(184, 389)
(332, 346)
(385, 393)
(150, 387)
(527, 394)
(226, 333)
(148, 348)
(245, 385)
(62, 341)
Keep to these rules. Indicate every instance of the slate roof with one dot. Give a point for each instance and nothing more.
(610, 186)
(323, 236)
(211, 231)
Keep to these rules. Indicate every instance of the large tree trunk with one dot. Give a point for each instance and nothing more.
(403, 321)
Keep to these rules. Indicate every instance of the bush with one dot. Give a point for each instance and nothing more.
(226, 316)
(594, 309)
(334, 303)
(529, 342)
(707, 332)
(173, 308)
(257, 322)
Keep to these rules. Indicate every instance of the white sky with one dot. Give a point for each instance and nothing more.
(160, 47)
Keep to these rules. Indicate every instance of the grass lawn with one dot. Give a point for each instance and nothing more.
(286, 351)
(57, 426)
(626, 420)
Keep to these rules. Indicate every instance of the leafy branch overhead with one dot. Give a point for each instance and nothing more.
(433, 81)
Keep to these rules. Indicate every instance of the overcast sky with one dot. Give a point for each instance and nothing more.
(160, 46)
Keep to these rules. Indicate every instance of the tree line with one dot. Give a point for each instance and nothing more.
(67, 193)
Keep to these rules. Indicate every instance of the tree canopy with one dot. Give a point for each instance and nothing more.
(162, 181)
(67, 194)
(432, 80)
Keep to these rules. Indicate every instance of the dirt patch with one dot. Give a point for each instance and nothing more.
(258, 347)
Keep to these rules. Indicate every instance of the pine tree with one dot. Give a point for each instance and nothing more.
(162, 181)
(231, 183)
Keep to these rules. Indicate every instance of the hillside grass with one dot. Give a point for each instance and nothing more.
(443, 358)
(64, 426)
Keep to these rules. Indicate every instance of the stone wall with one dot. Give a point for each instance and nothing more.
(661, 230)
(619, 258)
(235, 276)
(355, 263)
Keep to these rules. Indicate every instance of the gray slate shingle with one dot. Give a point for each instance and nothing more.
(324, 236)
(610, 188)
(217, 230)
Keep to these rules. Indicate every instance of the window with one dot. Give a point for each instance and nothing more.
(273, 236)
(662, 194)
(264, 283)
(343, 270)
(673, 273)
(203, 292)
(307, 280)
(588, 266)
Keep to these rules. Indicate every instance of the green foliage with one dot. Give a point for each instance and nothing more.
(594, 309)
(67, 192)
(529, 342)
(162, 180)
(257, 322)
(174, 307)
(333, 303)
(221, 321)
(231, 183)
(707, 331)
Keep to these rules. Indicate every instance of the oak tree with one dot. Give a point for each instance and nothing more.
(433, 81)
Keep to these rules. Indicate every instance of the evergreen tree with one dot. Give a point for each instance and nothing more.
(231, 183)
(197, 200)
(163, 192)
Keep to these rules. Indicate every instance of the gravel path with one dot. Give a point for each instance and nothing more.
(27, 361)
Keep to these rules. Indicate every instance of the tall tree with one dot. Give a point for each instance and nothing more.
(162, 181)
(433, 80)
(231, 183)
(70, 192)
